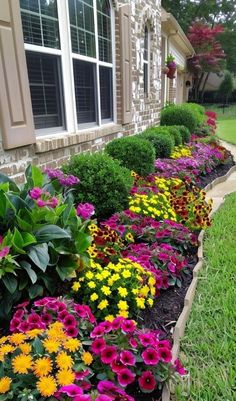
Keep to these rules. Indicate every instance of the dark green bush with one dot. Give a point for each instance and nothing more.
(203, 130)
(161, 139)
(133, 153)
(180, 115)
(103, 182)
(175, 132)
(197, 109)
(184, 132)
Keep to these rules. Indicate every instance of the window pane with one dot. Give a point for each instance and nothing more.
(146, 37)
(104, 31)
(145, 77)
(85, 93)
(45, 87)
(82, 27)
(106, 92)
(40, 22)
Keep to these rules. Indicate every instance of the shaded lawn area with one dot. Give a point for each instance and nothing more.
(209, 343)
(222, 114)
(227, 130)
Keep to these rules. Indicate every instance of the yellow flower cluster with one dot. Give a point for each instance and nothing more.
(152, 205)
(116, 289)
(181, 151)
(51, 361)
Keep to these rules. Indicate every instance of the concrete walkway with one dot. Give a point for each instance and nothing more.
(221, 190)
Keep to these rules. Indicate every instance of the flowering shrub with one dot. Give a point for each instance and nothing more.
(116, 289)
(162, 260)
(181, 151)
(43, 241)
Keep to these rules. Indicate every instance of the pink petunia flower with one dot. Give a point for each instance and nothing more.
(97, 332)
(165, 354)
(109, 354)
(127, 358)
(150, 356)
(69, 320)
(128, 326)
(179, 368)
(117, 365)
(133, 343)
(125, 377)
(103, 397)
(71, 390)
(147, 381)
(98, 345)
(72, 331)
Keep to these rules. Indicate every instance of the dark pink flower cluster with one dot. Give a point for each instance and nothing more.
(132, 355)
(43, 198)
(85, 210)
(4, 250)
(48, 310)
(64, 179)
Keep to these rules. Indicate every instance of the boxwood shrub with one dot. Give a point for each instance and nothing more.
(184, 132)
(175, 132)
(134, 153)
(103, 182)
(161, 139)
(180, 115)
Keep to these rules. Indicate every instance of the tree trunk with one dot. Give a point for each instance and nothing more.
(204, 86)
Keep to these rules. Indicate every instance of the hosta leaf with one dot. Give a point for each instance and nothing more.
(39, 255)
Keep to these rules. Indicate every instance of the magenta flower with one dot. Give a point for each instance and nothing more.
(34, 318)
(146, 339)
(127, 358)
(46, 318)
(82, 397)
(125, 377)
(165, 354)
(71, 390)
(35, 192)
(97, 332)
(133, 343)
(23, 327)
(85, 210)
(106, 325)
(53, 202)
(109, 354)
(98, 345)
(106, 386)
(14, 324)
(41, 203)
(72, 331)
(82, 375)
(4, 252)
(179, 368)
(116, 323)
(117, 366)
(150, 356)
(69, 320)
(128, 326)
(103, 397)
(147, 382)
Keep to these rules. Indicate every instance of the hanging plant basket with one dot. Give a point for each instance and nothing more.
(165, 70)
(172, 66)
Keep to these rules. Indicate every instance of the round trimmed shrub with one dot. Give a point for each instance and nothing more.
(133, 153)
(161, 139)
(180, 115)
(175, 132)
(184, 132)
(197, 109)
(103, 182)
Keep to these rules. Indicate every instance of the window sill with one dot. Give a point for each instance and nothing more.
(65, 139)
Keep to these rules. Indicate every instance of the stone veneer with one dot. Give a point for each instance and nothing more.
(57, 149)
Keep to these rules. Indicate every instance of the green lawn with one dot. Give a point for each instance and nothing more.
(226, 114)
(209, 345)
(226, 130)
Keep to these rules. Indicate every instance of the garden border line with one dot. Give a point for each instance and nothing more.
(189, 297)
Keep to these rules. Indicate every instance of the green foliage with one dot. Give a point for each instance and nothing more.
(184, 132)
(203, 130)
(226, 87)
(133, 153)
(103, 182)
(175, 133)
(43, 244)
(228, 43)
(161, 140)
(180, 115)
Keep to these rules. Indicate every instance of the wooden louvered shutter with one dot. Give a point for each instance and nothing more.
(16, 118)
(126, 63)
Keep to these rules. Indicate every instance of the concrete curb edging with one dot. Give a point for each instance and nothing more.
(189, 297)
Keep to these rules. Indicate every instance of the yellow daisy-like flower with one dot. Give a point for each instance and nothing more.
(65, 377)
(22, 363)
(6, 348)
(34, 333)
(17, 338)
(122, 292)
(94, 297)
(25, 348)
(72, 344)
(126, 273)
(106, 290)
(76, 286)
(150, 301)
(3, 339)
(122, 305)
(47, 386)
(91, 284)
(87, 358)
(109, 318)
(64, 361)
(5, 384)
(123, 313)
(51, 346)
(103, 304)
(151, 281)
(89, 275)
(140, 303)
(144, 290)
(42, 366)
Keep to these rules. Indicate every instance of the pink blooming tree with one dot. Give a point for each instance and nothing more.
(209, 57)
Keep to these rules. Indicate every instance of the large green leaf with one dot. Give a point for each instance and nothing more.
(16, 202)
(17, 241)
(34, 176)
(50, 232)
(31, 273)
(12, 184)
(82, 241)
(10, 282)
(28, 239)
(3, 204)
(35, 290)
(39, 255)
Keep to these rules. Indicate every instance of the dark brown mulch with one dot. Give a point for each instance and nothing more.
(219, 171)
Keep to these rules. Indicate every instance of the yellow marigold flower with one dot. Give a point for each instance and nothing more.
(87, 358)
(123, 313)
(51, 346)
(64, 361)
(105, 273)
(89, 275)
(106, 290)
(153, 291)
(22, 363)
(103, 304)
(72, 344)
(126, 273)
(151, 281)
(17, 338)
(99, 276)
(47, 386)
(34, 333)
(42, 366)
(122, 292)
(91, 284)
(94, 297)
(140, 303)
(25, 348)
(6, 348)
(5, 384)
(109, 318)
(76, 286)
(122, 305)
(65, 377)
(3, 339)
(144, 290)
(135, 291)
(150, 301)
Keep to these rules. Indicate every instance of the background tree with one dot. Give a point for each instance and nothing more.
(226, 87)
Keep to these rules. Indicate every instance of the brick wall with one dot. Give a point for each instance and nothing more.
(56, 150)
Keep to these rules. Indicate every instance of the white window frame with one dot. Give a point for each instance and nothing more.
(68, 87)
(147, 62)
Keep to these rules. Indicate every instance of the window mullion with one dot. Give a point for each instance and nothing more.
(97, 63)
(67, 66)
